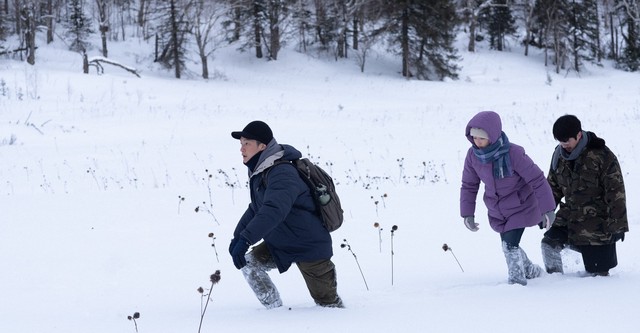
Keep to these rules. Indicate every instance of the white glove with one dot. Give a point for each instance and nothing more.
(469, 222)
(548, 218)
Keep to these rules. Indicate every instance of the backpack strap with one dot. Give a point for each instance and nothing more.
(264, 174)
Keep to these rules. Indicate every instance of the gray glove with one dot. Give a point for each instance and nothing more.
(469, 222)
(548, 218)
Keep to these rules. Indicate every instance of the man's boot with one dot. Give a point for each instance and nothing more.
(551, 256)
(515, 264)
(255, 272)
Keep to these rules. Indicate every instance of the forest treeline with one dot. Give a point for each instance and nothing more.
(421, 33)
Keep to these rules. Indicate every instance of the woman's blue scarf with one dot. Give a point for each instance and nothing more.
(498, 153)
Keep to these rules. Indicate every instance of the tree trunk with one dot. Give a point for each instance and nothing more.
(17, 18)
(103, 36)
(237, 24)
(30, 32)
(472, 34)
(49, 21)
(122, 26)
(355, 33)
(528, 18)
(141, 17)
(156, 48)
(405, 44)
(205, 67)
(614, 35)
(174, 37)
(598, 47)
(274, 30)
(275, 42)
(103, 25)
(527, 41)
(257, 30)
(85, 63)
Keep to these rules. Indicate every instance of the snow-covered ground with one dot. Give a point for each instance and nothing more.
(100, 177)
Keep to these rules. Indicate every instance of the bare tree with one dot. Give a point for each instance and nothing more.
(205, 15)
(172, 33)
(470, 10)
(49, 19)
(103, 24)
(527, 9)
(258, 8)
(28, 16)
(260, 24)
(142, 8)
(365, 19)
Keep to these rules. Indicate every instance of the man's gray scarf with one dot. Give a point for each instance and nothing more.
(272, 153)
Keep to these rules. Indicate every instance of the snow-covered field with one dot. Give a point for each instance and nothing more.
(100, 177)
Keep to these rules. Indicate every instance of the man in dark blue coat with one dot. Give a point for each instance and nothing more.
(283, 215)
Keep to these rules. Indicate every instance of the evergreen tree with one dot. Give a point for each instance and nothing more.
(583, 34)
(259, 24)
(28, 24)
(471, 13)
(439, 37)
(303, 21)
(172, 33)
(3, 30)
(500, 23)
(78, 26)
(630, 57)
(423, 32)
(332, 20)
(552, 23)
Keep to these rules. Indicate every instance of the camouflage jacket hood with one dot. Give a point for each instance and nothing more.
(592, 186)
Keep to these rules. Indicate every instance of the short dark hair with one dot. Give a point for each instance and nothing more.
(566, 127)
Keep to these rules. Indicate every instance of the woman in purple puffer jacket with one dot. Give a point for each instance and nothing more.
(517, 194)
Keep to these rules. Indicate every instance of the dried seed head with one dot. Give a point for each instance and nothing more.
(445, 247)
(215, 277)
(129, 317)
(211, 235)
(200, 290)
(343, 245)
(376, 225)
(136, 315)
(394, 228)
(197, 209)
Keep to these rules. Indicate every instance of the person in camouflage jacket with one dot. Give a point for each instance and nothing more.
(593, 216)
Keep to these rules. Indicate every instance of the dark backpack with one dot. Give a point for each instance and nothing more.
(322, 190)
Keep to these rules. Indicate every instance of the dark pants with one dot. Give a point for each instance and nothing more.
(320, 276)
(596, 258)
